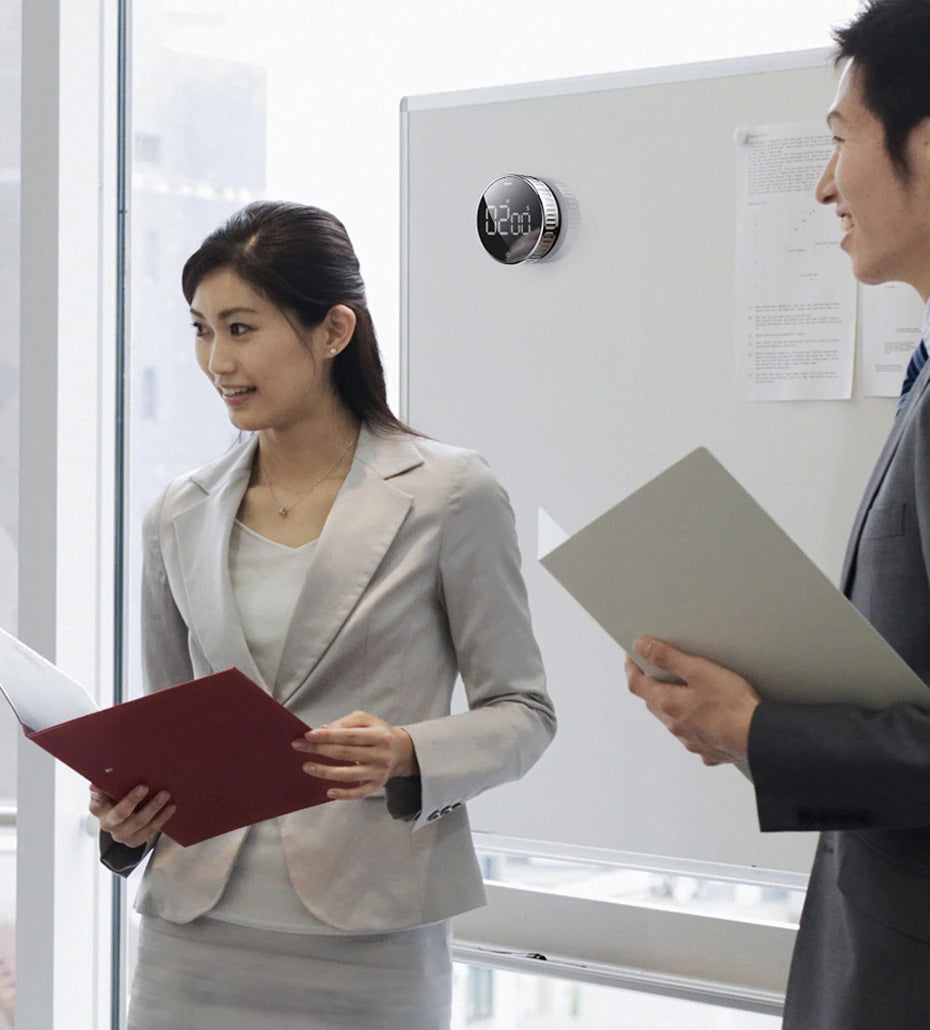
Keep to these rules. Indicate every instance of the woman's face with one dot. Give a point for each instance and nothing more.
(268, 375)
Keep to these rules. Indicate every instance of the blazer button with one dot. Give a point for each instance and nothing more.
(432, 817)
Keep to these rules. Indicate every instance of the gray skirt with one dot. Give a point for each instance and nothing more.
(211, 975)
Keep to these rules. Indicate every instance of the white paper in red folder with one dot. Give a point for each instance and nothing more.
(220, 745)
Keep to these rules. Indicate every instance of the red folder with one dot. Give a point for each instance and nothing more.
(220, 745)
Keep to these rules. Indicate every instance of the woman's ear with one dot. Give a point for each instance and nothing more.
(339, 325)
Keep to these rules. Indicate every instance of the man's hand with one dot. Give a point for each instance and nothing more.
(709, 712)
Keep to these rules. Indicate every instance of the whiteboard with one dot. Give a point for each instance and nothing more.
(581, 377)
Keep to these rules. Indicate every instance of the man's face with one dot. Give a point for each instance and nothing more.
(885, 218)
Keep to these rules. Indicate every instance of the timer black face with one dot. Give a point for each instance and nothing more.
(518, 219)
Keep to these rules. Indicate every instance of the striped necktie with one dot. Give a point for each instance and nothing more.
(917, 362)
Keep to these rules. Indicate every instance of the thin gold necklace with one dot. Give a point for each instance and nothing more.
(283, 509)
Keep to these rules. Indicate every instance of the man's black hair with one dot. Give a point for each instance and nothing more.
(889, 40)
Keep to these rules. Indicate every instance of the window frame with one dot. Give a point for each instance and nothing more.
(67, 486)
(673, 954)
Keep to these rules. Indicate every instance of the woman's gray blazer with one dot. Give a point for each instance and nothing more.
(415, 579)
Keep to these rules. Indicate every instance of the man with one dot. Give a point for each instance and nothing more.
(862, 958)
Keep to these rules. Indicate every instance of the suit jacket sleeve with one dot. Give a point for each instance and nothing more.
(840, 767)
(166, 660)
(511, 718)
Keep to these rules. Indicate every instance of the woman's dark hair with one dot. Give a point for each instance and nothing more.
(302, 260)
(889, 40)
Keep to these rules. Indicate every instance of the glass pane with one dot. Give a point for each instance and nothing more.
(189, 172)
(9, 473)
(496, 999)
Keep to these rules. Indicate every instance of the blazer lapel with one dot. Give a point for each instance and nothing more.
(878, 474)
(364, 520)
(202, 532)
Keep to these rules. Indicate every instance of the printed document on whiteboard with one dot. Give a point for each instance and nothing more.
(890, 319)
(795, 292)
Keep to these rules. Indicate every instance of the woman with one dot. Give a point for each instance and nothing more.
(353, 568)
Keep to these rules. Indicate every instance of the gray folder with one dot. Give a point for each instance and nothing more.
(692, 559)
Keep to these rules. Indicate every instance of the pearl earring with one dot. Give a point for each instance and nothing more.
(332, 350)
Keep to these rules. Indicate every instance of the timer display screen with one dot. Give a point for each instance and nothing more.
(517, 219)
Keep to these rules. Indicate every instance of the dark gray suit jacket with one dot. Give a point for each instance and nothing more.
(862, 958)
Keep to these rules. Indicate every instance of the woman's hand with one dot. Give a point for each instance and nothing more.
(368, 750)
(134, 819)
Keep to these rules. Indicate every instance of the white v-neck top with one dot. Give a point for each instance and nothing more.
(267, 578)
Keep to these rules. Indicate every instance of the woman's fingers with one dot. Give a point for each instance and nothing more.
(100, 802)
(347, 753)
(352, 746)
(132, 820)
(357, 773)
(367, 751)
(352, 793)
(363, 760)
